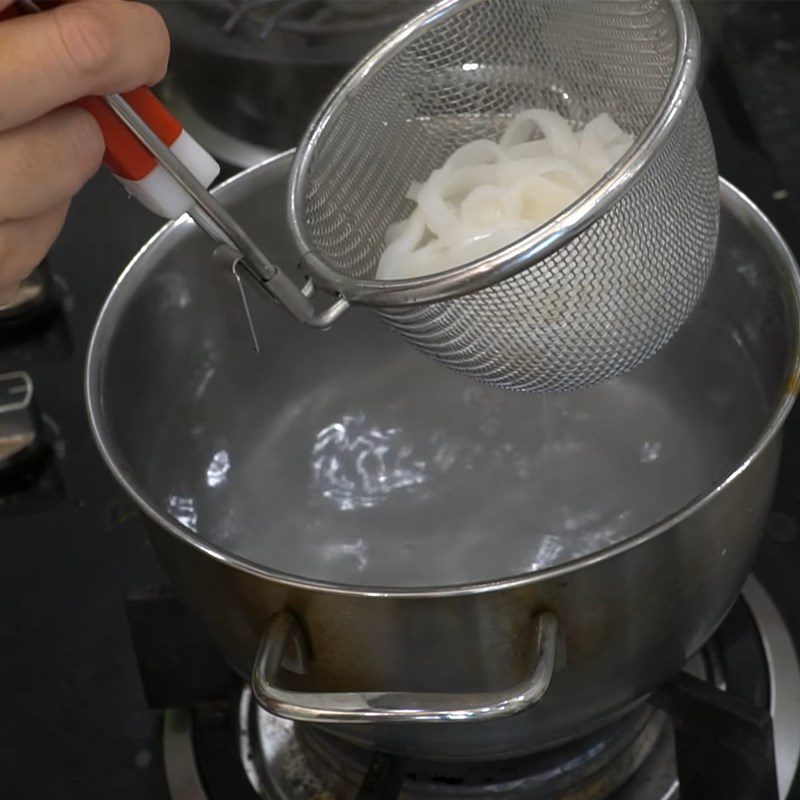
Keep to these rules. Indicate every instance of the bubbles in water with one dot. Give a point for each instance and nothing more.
(183, 510)
(650, 452)
(357, 550)
(356, 464)
(217, 470)
(749, 273)
(204, 381)
(548, 552)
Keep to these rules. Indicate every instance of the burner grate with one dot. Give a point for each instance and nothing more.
(724, 747)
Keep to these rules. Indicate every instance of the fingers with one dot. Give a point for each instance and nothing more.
(23, 244)
(47, 161)
(47, 60)
(81, 48)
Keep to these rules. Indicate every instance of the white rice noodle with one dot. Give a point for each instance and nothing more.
(489, 194)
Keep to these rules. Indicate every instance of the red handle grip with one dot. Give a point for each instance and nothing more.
(125, 155)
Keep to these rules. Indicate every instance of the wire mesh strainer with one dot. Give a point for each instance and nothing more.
(585, 297)
(598, 289)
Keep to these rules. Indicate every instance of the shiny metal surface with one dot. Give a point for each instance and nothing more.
(180, 762)
(784, 681)
(20, 422)
(394, 707)
(604, 284)
(176, 401)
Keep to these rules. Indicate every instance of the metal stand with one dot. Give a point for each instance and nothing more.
(724, 747)
(178, 664)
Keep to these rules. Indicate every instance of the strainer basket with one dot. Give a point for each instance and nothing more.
(598, 289)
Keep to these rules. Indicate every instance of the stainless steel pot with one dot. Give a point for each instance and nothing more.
(398, 649)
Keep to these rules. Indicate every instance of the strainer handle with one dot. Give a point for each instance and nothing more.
(136, 128)
(285, 638)
(215, 220)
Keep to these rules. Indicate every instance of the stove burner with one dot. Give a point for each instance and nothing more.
(283, 757)
(752, 657)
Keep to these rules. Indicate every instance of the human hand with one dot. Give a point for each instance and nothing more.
(49, 149)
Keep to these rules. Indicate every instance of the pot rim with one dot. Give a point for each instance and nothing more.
(732, 199)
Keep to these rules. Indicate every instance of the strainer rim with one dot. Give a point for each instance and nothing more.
(525, 253)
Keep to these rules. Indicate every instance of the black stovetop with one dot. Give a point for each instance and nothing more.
(74, 722)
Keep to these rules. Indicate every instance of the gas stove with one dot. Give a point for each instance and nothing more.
(100, 703)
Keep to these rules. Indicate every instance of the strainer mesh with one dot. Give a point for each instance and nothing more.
(614, 294)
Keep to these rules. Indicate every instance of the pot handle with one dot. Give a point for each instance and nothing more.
(368, 707)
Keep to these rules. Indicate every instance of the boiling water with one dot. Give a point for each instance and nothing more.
(408, 475)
